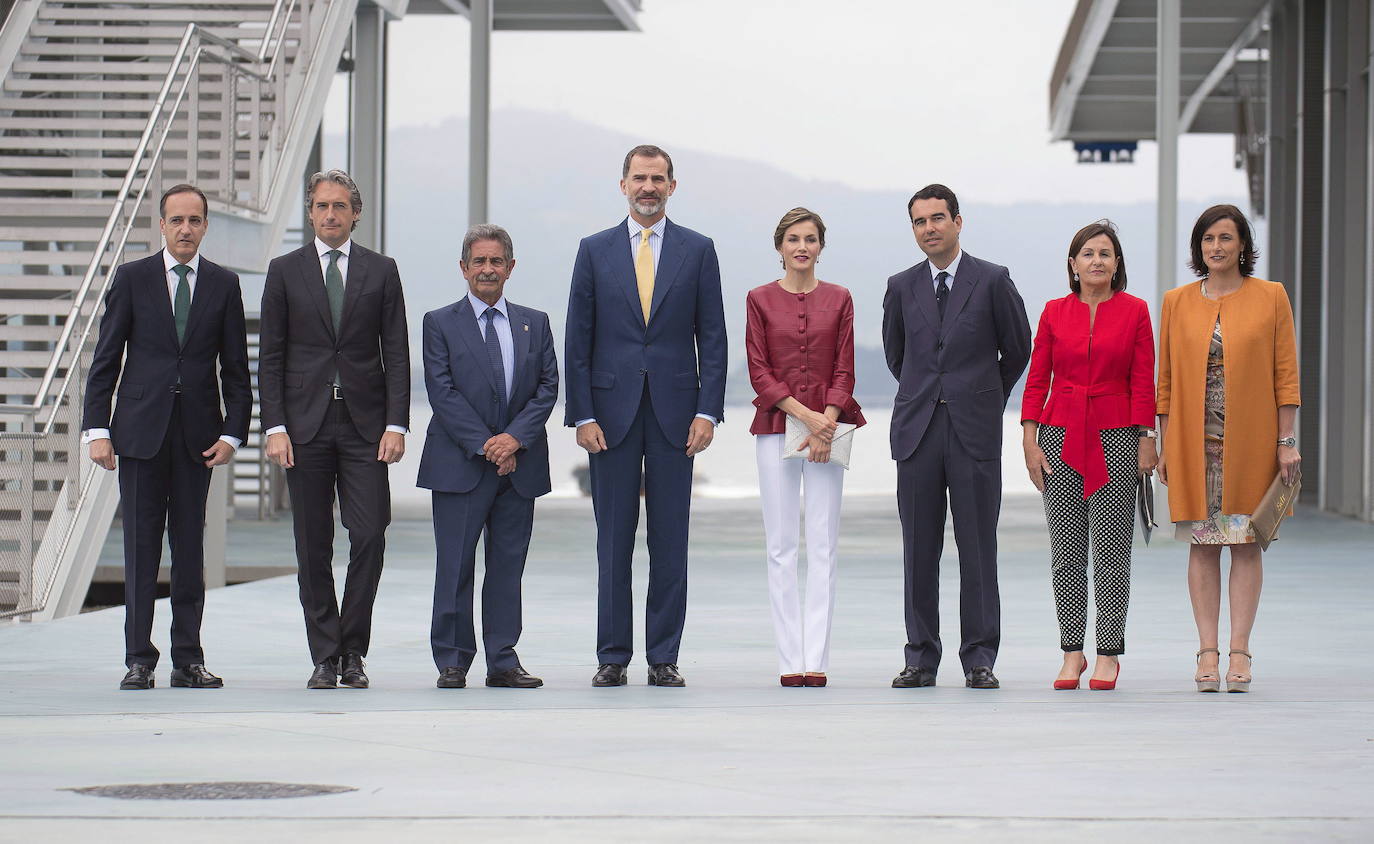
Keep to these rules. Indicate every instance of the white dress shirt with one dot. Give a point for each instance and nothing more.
(323, 249)
(952, 269)
(169, 264)
(655, 246)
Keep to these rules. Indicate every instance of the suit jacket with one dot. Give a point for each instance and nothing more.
(610, 354)
(462, 393)
(139, 330)
(971, 361)
(299, 352)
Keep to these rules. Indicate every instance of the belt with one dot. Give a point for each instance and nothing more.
(1084, 457)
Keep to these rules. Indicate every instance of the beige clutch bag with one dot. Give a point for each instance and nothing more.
(1276, 504)
(840, 445)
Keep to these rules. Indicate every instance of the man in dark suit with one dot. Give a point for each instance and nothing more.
(645, 301)
(168, 319)
(334, 378)
(956, 337)
(492, 378)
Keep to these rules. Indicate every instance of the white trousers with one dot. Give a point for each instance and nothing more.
(803, 634)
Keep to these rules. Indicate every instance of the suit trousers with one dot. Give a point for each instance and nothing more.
(644, 458)
(164, 493)
(803, 636)
(338, 458)
(506, 518)
(940, 471)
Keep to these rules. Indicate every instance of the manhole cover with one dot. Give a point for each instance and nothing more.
(211, 790)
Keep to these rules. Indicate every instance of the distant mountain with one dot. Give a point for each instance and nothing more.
(554, 181)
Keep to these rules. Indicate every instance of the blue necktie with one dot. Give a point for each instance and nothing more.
(498, 369)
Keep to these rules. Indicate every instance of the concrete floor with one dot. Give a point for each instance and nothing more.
(733, 756)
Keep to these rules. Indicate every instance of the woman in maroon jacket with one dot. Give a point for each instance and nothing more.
(800, 342)
(1087, 446)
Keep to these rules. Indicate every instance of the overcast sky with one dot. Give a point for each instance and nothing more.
(869, 93)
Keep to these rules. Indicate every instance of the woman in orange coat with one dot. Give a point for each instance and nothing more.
(1227, 404)
(1087, 440)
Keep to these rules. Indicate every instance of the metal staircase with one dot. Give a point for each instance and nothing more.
(102, 106)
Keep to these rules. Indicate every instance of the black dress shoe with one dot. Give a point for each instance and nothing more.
(140, 677)
(452, 678)
(351, 672)
(513, 678)
(325, 675)
(665, 674)
(609, 674)
(913, 678)
(981, 677)
(195, 677)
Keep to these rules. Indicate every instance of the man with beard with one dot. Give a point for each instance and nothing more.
(645, 354)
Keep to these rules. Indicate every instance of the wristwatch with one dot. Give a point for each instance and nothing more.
(1291, 442)
(1149, 432)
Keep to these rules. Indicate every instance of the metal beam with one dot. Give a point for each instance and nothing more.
(479, 124)
(367, 123)
(1224, 65)
(1169, 30)
(1099, 18)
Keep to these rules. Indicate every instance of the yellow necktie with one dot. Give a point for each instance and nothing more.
(644, 272)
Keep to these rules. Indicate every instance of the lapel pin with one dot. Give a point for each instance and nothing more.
(527, 326)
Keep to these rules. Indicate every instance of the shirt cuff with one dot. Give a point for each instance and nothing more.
(234, 442)
(275, 429)
(709, 418)
(397, 429)
(584, 422)
(95, 434)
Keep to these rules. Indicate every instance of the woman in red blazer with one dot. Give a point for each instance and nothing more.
(800, 342)
(1087, 415)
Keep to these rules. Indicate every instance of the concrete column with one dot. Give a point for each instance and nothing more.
(1166, 137)
(1308, 259)
(217, 525)
(1368, 78)
(367, 139)
(479, 125)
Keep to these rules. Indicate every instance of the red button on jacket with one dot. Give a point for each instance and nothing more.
(1096, 378)
(817, 374)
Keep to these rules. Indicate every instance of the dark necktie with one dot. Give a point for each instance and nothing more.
(942, 292)
(181, 305)
(498, 369)
(334, 288)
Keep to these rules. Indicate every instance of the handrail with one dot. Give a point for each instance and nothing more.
(265, 115)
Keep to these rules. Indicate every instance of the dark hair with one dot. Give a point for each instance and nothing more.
(791, 218)
(647, 151)
(935, 192)
(182, 188)
(1210, 218)
(1087, 233)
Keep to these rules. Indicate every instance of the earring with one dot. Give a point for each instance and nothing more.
(1075, 278)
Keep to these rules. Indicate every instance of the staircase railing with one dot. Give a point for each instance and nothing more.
(248, 132)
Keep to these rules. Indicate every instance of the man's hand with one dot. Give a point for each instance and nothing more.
(102, 453)
(505, 467)
(219, 453)
(590, 437)
(279, 450)
(392, 447)
(499, 447)
(699, 436)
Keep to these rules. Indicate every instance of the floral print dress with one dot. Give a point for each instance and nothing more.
(1219, 528)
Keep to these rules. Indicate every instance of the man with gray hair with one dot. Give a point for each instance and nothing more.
(334, 383)
(492, 378)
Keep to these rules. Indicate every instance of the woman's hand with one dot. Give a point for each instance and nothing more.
(1149, 457)
(1161, 471)
(818, 450)
(1289, 462)
(820, 425)
(1037, 465)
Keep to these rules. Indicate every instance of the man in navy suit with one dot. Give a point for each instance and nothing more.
(492, 378)
(645, 366)
(957, 340)
(169, 319)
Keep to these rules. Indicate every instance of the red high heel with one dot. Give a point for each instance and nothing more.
(1104, 685)
(1066, 685)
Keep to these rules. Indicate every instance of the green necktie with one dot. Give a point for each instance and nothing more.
(334, 288)
(181, 307)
